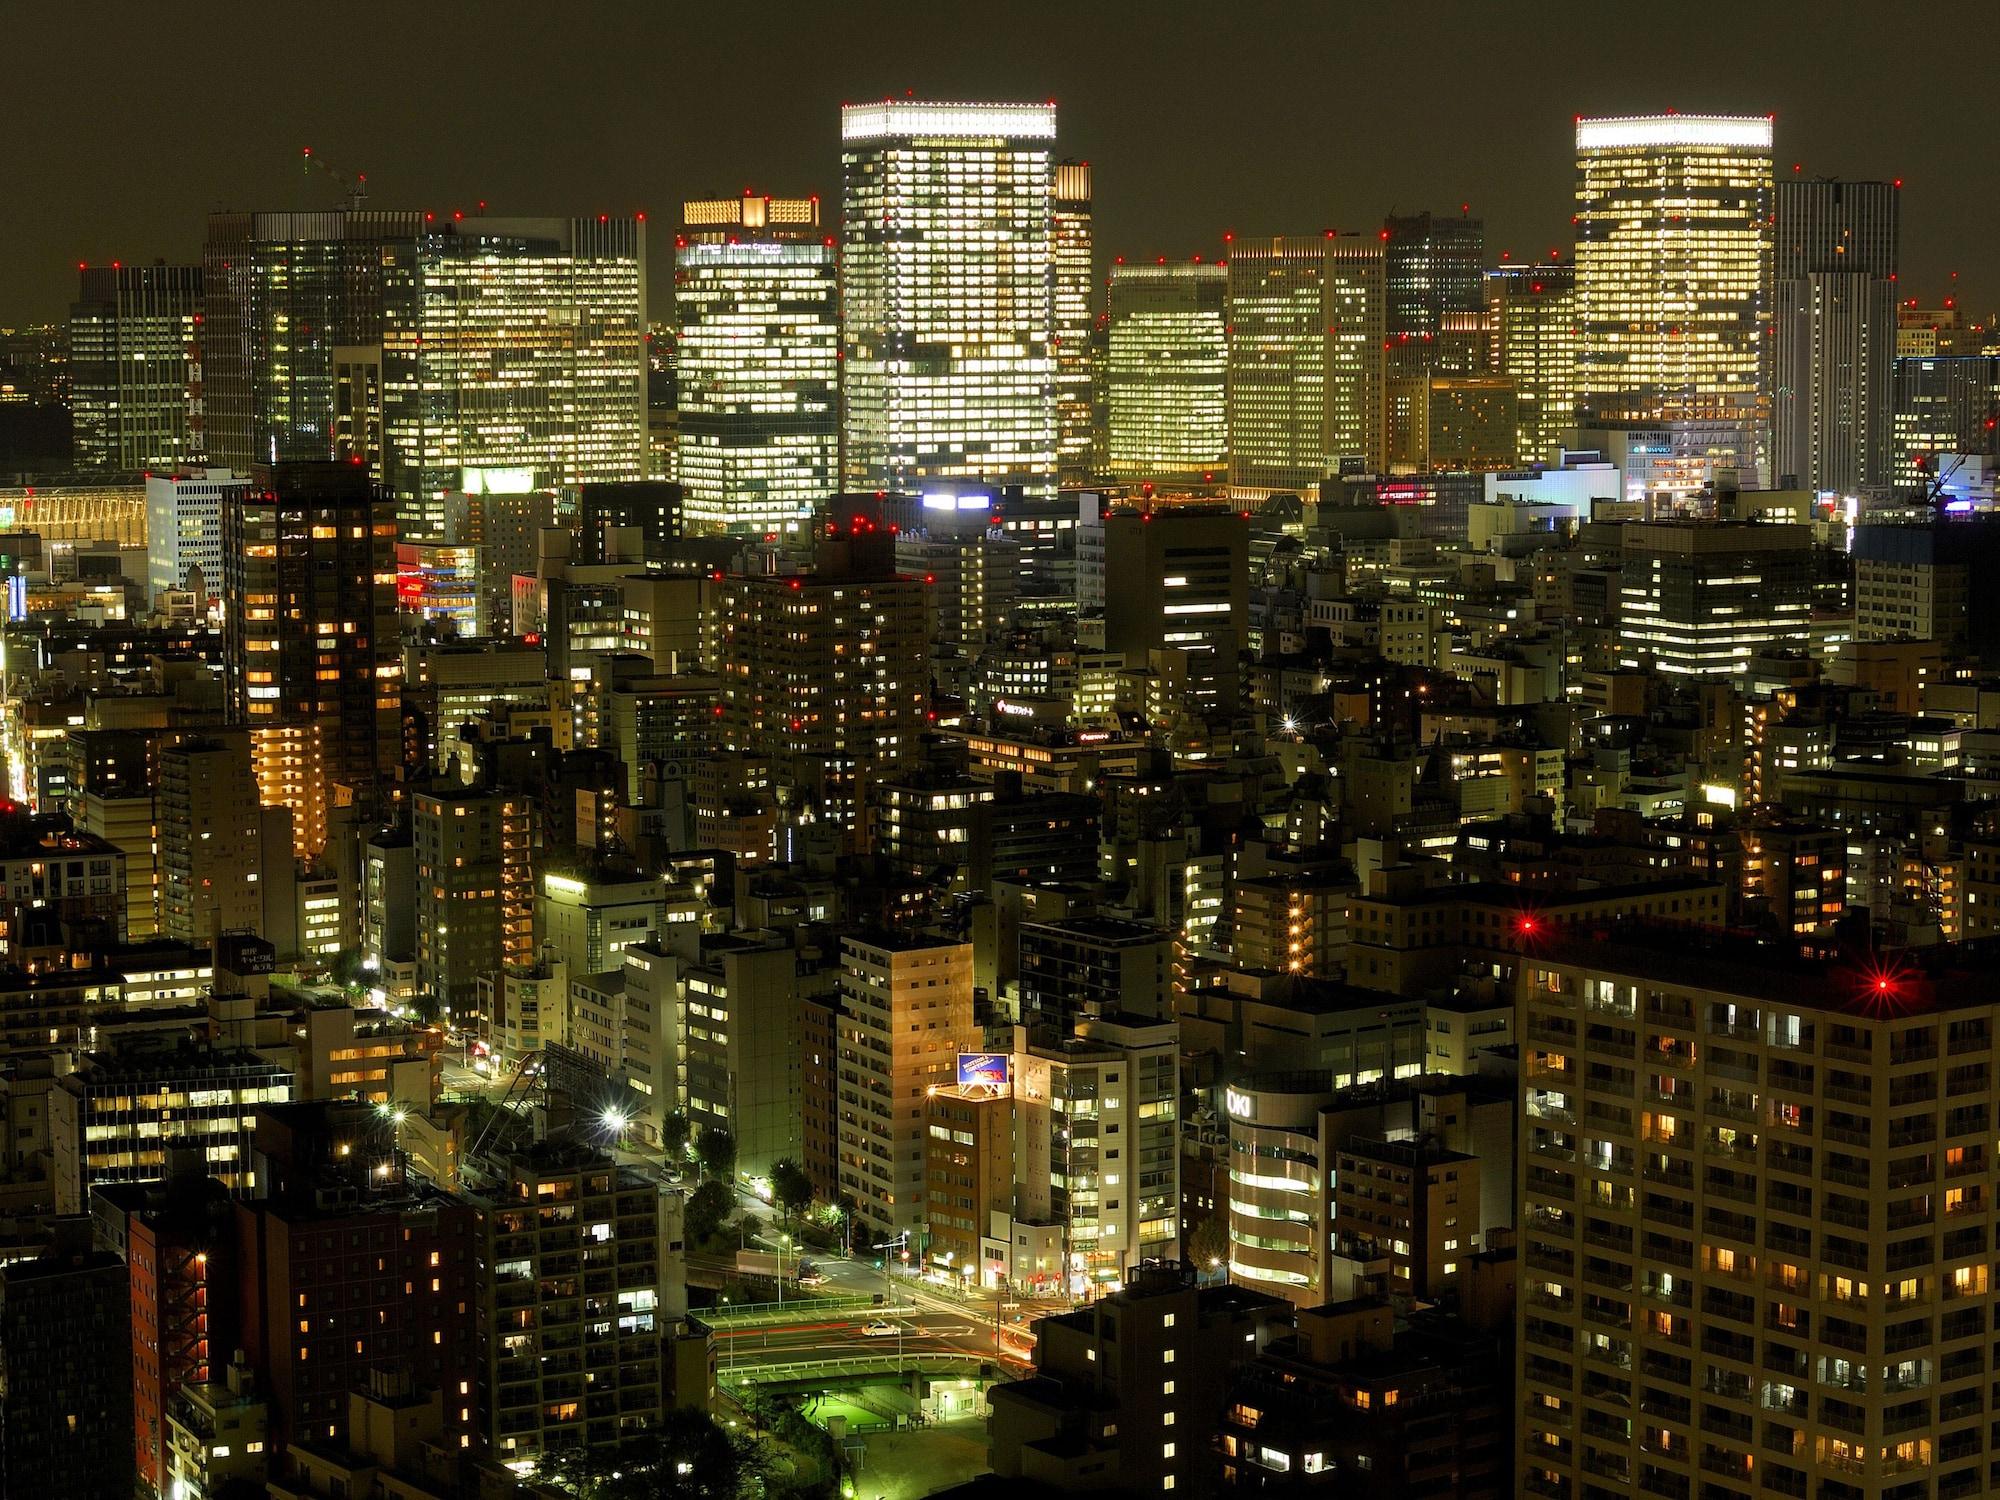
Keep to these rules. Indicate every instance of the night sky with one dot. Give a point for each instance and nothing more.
(128, 122)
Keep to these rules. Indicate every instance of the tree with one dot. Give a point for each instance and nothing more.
(684, 1456)
(708, 1210)
(790, 1185)
(1208, 1246)
(715, 1149)
(674, 1134)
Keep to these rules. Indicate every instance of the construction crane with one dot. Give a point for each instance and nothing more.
(356, 186)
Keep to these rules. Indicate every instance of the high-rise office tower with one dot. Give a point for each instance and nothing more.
(1432, 264)
(1701, 1316)
(1944, 406)
(280, 293)
(1165, 374)
(757, 314)
(947, 300)
(1306, 330)
(135, 367)
(511, 344)
(1070, 329)
(1834, 257)
(1702, 598)
(828, 671)
(1673, 276)
(1531, 324)
(309, 638)
(211, 839)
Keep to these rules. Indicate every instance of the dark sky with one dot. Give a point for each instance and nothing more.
(127, 122)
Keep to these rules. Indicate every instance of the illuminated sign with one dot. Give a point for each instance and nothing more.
(950, 500)
(1240, 1106)
(1674, 130)
(496, 481)
(1019, 710)
(986, 1069)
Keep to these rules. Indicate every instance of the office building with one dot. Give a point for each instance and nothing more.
(112, 1120)
(906, 1014)
(1175, 578)
(1928, 583)
(1098, 1128)
(1834, 266)
(1432, 269)
(184, 530)
(1093, 966)
(1451, 423)
(475, 889)
(828, 670)
(281, 293)
(1072, 316)
(738, 1030)
(947, 302)
(515, 345)
(1307, 323)
(1945, 407)
(1128, 1391)
(1704, 598)
(66, 1372)
(135, 368)
(1673, 285)
(757, 340)
(575, 1289)
(1531, 326)
(1805, 1318)
(1165, 373)
(309, 640)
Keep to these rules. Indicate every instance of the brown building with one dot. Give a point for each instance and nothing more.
(1354, 1404)
(968, 1170)
(352, 1265)
(1415, 1202)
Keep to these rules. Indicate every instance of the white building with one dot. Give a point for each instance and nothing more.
(184, 529)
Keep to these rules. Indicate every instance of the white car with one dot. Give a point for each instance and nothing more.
(879, 1328)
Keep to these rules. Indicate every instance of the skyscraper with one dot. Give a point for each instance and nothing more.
(135, 367)
(184, 529)
(1432, 266)
(1531, 321)
(1834, 258)
(1673, 265)
(1070, 330)
(1166, 373)
(757, 313)
(946, 292)
(309, 638)
(280, 293)
(1702, 598)
(1946, 405)
(516, 345)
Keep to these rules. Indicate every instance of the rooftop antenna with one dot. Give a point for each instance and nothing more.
(354, 185)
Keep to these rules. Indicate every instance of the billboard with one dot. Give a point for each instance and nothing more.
(989, 1069)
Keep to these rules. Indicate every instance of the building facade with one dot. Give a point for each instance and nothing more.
(1165, 374)
(135, 368)
(947, 300)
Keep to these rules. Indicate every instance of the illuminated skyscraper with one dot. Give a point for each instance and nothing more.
(1305, 361)
(1673, 266)
(1834, 256)
(1432, 266)
(135, 368)
(1949, 405)
(515, 345)
(1070, 228)
(1166, 373)
(310, 651)
(946, 291)
(281, 292)
(757, 312)
(1531, 322)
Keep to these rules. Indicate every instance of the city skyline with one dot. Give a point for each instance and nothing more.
(1173, 179)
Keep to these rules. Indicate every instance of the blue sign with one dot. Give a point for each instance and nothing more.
(986, 1068)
